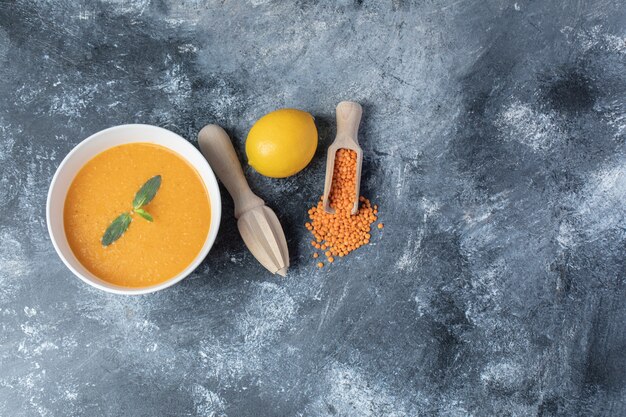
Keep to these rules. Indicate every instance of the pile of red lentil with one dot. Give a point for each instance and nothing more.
(340, 233)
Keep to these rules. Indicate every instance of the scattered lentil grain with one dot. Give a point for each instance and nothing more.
(342, 232)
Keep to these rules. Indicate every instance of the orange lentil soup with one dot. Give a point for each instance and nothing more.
(149, 252)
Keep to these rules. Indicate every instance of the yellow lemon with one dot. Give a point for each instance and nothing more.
(282, 143)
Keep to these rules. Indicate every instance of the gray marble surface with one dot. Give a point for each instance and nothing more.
(494, 144)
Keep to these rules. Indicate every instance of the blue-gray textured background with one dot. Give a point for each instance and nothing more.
(494, 144)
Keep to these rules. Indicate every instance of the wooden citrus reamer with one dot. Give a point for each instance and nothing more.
(258, 225)
(348, 120)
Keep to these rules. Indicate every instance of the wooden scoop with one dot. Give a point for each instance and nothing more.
(348, 119)
(258, 225)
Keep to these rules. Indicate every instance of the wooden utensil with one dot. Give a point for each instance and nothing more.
(348, 119)
(258, 225)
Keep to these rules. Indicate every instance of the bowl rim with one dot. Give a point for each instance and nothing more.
(215, 200)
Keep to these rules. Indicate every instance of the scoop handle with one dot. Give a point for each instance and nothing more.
(218, 149)
(348, 119)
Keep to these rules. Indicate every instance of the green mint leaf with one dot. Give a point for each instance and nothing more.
(147, 192)
(116, 229)
(144, 214)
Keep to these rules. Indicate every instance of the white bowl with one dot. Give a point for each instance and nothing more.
(100, 142)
